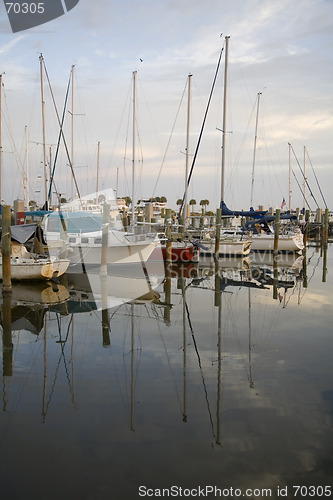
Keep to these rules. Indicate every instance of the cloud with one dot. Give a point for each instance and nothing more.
(7, 47)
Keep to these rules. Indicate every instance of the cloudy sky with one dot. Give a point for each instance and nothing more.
(281, 49)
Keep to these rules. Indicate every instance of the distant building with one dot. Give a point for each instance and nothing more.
(157, 206)
(121, 204)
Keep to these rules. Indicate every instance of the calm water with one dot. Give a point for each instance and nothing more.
(222, 383)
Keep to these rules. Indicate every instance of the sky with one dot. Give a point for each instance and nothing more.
(282, 50)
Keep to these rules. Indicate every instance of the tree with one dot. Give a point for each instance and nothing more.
(128, 201)
(204, 204)
(192, 203)
(32, 205)
(179, 201)
(163, 199)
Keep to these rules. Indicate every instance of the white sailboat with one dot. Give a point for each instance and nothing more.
(29, 265)
(231, 243)
(79, 227)
(80, 234)
(291, 240)
(290, 236)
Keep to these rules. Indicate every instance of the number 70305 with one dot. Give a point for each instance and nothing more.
(25, 8)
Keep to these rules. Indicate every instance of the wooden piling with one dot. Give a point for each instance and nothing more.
(63, 236)
(168, 244)
(7, 343)
(104, 274)
(218, 232)
(105, 312)
(217, 287)
(140, 221)
(276, 253)
(324, 244)
(125, 220)
(181, 227)
(168, 262)
(305, 269)
(6, 247)
(324, 265)
(167, 291)
(105, 239)
(327, 215)
(306, 231)
(276, 230)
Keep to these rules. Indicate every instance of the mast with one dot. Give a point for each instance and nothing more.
(133, 153)
(27, 169)
(117, 183)
(187, 149)
(290, 191)
(43, 123)
(224, 114)
(0, 139)
(255, 147)
(72, 151)
(98, 145)
(304, 181)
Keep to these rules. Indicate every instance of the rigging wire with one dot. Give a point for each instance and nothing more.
(126, 141)
(20, 168)
(300, 187)
(169, 140)
(62, 355)
(58, 144)
(199, 362)
(314, 173)
(305, 179)
(62, 132)
(202, 129)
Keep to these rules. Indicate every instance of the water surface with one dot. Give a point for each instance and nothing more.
(223, 383)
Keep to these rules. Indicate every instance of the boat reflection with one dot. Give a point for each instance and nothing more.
(129, 297)
(28, 303)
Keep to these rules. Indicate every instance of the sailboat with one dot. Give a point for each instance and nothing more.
(83, 235)
(85, 227)
(262, 233)
(30, 265)
(231, 243)
(290, 238)
(182, 249)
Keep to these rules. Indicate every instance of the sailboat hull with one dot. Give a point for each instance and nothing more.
(227, 247)
(287, 243)
(116, 254)
(36, 269)
(180, 252)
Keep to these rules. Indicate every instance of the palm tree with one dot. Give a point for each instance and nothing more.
(193, 203)
(204, 203)
(163, 199)
(128, 201)
(179, 201)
